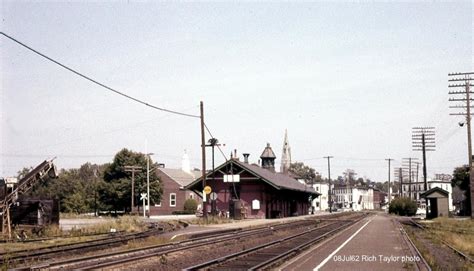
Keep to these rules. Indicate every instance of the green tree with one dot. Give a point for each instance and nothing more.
(190, 206)
(384, 186)
(403, 207)
(307, 173)
(115, 193)
(74, 188)
(349, 176)
(461, 180)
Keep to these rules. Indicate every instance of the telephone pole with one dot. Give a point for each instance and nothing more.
(398, 174)
(133, 169)
(203, 149)
(407, 165)
(329, 182)
(389, 190)
(464, 80)
(423, 139)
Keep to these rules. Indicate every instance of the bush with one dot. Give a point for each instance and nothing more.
(190, 206)
(403, 206)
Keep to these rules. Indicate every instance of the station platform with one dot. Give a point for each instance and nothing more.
(375, 243)
(236, 224)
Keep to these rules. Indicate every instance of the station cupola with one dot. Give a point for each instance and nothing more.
(268, 158)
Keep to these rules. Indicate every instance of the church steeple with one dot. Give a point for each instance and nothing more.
(285, 155)
(185, 164)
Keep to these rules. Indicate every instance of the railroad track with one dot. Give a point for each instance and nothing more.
(122, 257)
(49, 252)
(422, 264)
(268, 254)
(457, 251)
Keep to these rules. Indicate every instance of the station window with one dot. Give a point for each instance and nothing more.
(191, 196)
(172, 200)
(158, 204)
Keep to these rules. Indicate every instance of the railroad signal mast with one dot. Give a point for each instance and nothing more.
(464, 81)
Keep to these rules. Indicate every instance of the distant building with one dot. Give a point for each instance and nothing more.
(355, 198)
(173, 182)
(380, 199)
(285, 155)
(446, 186)
(321, 203)
(415, 189)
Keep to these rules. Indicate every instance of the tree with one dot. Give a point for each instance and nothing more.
(461, 180)
(403, 207)
(115, 193)
(75, 189)
(190, 206)
(349, 176)
(307, 173)
(384, 186)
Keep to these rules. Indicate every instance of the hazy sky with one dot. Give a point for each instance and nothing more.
(346, 79)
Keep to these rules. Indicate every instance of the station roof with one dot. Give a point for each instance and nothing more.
(279, 181)
(435, 192)
(180, 176)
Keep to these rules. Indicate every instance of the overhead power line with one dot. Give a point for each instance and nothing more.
(97, 82)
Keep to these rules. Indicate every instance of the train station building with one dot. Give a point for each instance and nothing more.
(247, 190)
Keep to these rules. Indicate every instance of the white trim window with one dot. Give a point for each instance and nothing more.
(191, 196)
(172, 199)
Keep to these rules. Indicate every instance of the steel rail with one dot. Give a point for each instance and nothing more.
(414, 250)
(273, 244)
(106, 259)
(457, 251)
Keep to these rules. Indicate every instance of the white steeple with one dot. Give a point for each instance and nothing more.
(285, 155)
(185, 164)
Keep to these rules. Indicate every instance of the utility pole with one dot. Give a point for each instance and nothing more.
(133, 169)
(329, 182)
(465, 83)
(400, 178)
(423, 139)
(148, 181)
(203, 148)
(408, 167)
(389, 190)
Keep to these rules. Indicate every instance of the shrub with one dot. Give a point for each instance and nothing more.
(403, 206)
(190, 206)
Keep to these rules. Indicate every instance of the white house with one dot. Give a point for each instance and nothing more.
(321, 203)
(355, 198)
(414, 190)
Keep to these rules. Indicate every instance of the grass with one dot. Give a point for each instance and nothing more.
(124, 223)
(430, 259)
(458, 233)
(211, 220)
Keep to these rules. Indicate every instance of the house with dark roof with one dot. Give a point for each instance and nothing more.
(174, 195)
(257, 192)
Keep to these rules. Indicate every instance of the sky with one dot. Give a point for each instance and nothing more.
(346, 79)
